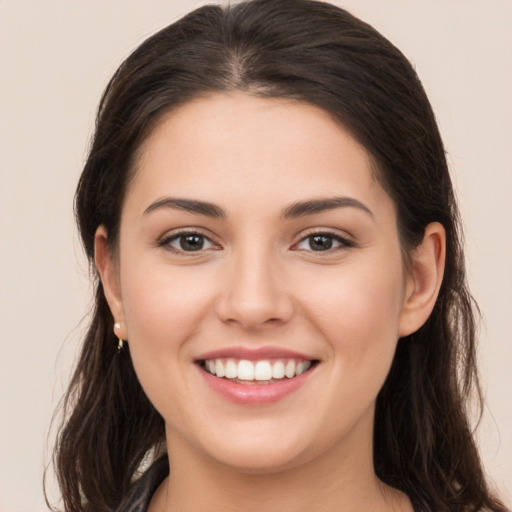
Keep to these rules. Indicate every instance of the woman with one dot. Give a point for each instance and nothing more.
(281, 312)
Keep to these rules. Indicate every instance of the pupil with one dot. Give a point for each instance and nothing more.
(320, 242)
(191, 242)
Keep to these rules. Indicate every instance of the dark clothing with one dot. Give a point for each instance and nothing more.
(143, 489)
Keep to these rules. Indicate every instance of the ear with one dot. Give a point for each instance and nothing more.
(424, 279)
(108, 271)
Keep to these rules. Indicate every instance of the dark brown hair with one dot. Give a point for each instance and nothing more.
(316, 53)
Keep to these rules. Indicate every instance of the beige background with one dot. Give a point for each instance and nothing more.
(55, 59)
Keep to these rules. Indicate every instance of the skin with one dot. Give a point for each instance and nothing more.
(259, 282)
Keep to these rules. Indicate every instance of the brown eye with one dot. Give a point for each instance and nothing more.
(191, 242)
(321, 242)
(187, 242)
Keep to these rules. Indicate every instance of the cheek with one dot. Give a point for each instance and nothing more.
(164, 307)
(356, 298)
(161, 300)
(357, 311)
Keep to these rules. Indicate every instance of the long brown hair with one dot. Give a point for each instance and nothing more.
(314, 52)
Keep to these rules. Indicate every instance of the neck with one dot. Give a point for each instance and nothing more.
(341, 479)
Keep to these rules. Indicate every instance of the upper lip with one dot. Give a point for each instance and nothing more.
(253, 354)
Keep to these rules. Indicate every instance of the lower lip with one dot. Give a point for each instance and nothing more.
(254, 394)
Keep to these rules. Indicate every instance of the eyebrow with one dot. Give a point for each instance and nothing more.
(295, 210)
(189, 205)
(302, 208)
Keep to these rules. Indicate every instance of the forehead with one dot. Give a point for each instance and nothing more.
(267, 151)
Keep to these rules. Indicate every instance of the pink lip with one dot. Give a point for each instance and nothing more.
(253, 354)
(254, 394)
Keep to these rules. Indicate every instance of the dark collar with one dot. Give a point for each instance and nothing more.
(143, 489)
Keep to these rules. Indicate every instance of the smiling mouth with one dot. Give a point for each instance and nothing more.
(265, 371)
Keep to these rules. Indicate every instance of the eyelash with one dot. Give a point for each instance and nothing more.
(344, 243)
(166, 242)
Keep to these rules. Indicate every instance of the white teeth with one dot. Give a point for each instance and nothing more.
(289, 370)
(231, 369)
(263, 370)
(219, 368)
(245, 370)
(278, 370)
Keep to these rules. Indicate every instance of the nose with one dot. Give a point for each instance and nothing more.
(255, 292)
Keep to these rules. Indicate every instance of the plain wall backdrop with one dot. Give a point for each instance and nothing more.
(56, 58)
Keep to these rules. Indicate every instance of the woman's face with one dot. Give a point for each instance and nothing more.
(255, 240)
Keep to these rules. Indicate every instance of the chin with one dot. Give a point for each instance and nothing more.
(262, 447)
(259, 460)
